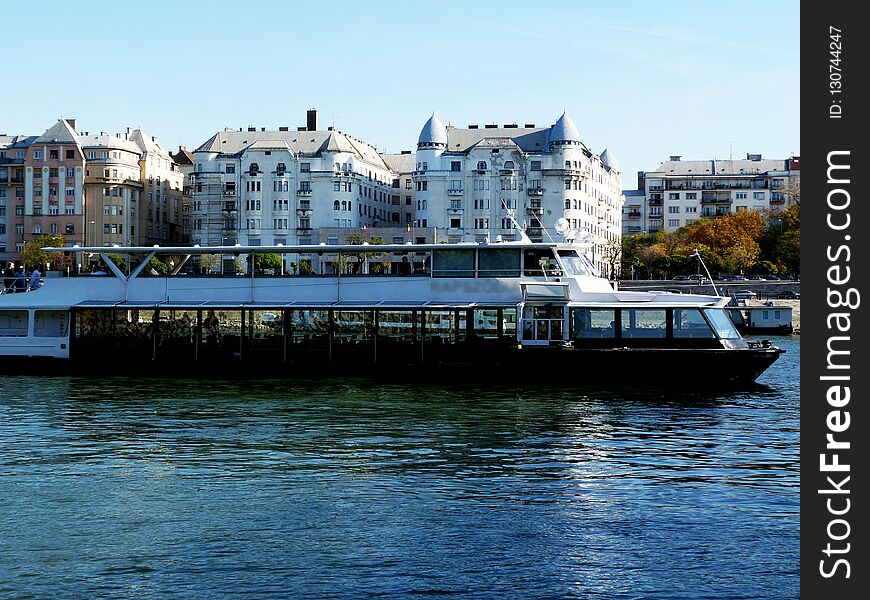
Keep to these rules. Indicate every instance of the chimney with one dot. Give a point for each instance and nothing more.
(262, 129)
(301, 129)
(472, 126)
(252, 129)
(529, 125)
(492, 126)
(154, 138)
(71, 123)
(311, 119)
(283, 129)
(675, 158)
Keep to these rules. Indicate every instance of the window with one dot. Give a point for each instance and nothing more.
(19, 229)
(592, 323)
(53, 155)
(643, 324)
(230, 168)
(69, 229)
(336, 205)
(37, 229)
(758, 195)
(481, 166)
(673, 222)
(691, 196)
(254, 168)
(336, 186)
(455, 166)
(691, 209)
(508, 164)
(425, 185)
(305, 167)
(673, 209)
(281, 168)
(37, 155)
(70, 154)
(536, 165)
(689, 323)
(53, 228)
(740, 195)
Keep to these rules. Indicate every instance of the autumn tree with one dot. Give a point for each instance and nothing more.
(33, 256)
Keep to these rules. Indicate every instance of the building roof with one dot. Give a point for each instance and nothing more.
(608, 160)
(401, 163)
(59, 133)
(719, 167)
(529, 139)
(433, 132)
(337, 142)
(105, 140)
(299, 142)
(565, 130)
(183, 156)
(147, 144)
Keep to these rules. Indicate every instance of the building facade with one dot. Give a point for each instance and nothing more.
(263, 187)
(473, 184)
(13, 149)
(258, 187)
(679, 192)
(54, 180)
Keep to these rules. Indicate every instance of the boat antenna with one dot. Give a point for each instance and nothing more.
(513, 217)
(697, 254)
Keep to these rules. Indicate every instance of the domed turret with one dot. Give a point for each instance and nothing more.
(608, 160)
(433, 134)
(564, 131)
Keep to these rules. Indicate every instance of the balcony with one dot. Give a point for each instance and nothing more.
(656, 202)
(303, 230)
(657, 216)
(303, 193)
(229, 207)
(715, 199)
(535, 210)
(506, 172)
(535, 231)
(634, 214)
(230, 193)
(454, 192)
(535, 191)
(455, 231)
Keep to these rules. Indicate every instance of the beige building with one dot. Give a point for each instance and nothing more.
(159, 215)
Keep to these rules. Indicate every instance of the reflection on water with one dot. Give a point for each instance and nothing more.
(151, 487)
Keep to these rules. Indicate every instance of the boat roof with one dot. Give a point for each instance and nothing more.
(311, 248)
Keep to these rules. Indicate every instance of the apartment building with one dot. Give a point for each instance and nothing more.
(680, 191)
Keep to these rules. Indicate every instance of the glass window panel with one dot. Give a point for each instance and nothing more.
(643, 323)
(722, 324)
(498, 263)
(690, 323)
(51, 323)
(453, 263)
(593, 323)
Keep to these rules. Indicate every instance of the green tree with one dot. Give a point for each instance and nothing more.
(263, 261)
(33, 256)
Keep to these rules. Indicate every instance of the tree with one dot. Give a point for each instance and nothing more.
(355, 239)
(33, 256)
(263, 261)
(209, 262)
(611, 252)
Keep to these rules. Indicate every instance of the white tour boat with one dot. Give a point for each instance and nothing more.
(503, 310)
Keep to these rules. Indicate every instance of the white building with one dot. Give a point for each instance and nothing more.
(680, 191)
(269, 187)
(469, 181)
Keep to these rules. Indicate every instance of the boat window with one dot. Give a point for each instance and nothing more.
(50, 323)
(690, 323)
(453, 263)
(722, 324)
(575, 264)
(498, 263)
(537, 261)
(643, 323)
(593, 323)
(13, 323)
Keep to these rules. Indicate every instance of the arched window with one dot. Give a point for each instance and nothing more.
(575, 205)
(567, 164)
(37, 228)
(349, 205)
(508, 164)
(254, 169)
(567, 204)
(343, 205)
(335, 205)
(281, 168)
(70, 229)
(424, 205)
(481, 166)
(52, 228)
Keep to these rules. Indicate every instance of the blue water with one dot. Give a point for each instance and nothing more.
(153, 488)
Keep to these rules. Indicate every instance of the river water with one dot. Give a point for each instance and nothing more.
(156, 488)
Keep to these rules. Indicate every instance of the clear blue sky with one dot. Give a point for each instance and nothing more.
(646, 79)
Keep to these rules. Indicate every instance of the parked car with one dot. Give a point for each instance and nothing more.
(756, 278)
(771, 277)
(744, 294)
(788, 295)
(681, 278)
